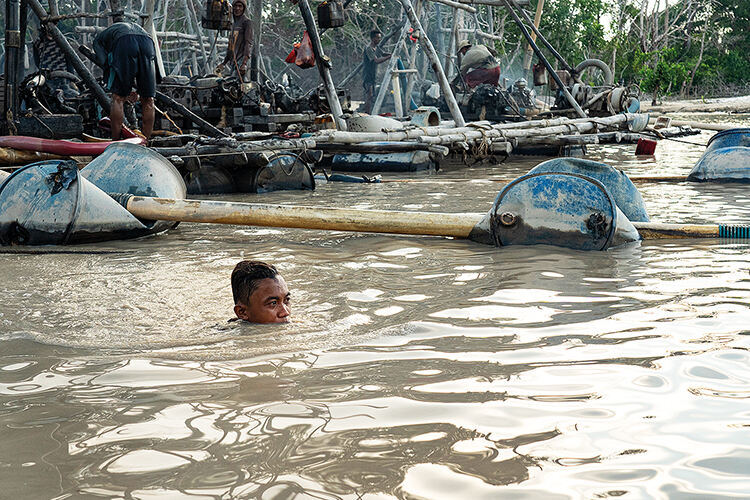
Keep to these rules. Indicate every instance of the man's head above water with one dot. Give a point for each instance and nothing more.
(260, 293)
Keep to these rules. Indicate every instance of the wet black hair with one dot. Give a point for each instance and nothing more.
(247, 276)
(375, 32)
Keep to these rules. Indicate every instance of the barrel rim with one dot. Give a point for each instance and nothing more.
(739, 130)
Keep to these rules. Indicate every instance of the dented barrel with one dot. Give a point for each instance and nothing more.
(727, 158)
(137, 170)
(53, 203)
(626, 195)
(561, 209)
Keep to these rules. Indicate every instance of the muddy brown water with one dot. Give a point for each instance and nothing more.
(415, 367)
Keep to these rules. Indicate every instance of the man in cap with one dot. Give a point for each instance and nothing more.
(126, 52)
(240, 41)
(477, 64)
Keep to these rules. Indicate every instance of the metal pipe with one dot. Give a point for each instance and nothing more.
(13, 44)
(544, 60)
(323, 64)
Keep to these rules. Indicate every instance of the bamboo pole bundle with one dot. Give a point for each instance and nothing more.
(478, 130)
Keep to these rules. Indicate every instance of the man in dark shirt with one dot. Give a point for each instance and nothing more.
(260, 293)
(370, 61)
(127, 54)
(240, 41)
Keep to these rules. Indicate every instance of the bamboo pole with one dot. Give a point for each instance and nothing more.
(529, 50)
(658, 230)
(456, 225)
(457, 5)
(384, 84)
(430, 50)
(411, 78)
(189, 8)
(397, 102)
(151, 30)
(544, 60)
(535, 28)
(474, 130)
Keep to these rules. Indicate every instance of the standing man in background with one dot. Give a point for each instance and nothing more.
(127, 54)
(240, 42)
(370, 61)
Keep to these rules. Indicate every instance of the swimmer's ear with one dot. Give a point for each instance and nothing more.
(240, 310)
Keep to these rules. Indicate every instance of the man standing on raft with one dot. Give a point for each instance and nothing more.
(126, 53)
(240, 42)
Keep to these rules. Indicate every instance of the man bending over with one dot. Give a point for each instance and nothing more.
(127, 53)
(260, 293)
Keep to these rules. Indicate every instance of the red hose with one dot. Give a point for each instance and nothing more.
(126, 133)
(59, 147)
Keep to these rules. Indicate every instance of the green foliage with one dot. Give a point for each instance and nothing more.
(736, 66)
(667, 75)
(575, 28)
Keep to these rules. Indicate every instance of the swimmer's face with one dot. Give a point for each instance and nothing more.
(269, 303)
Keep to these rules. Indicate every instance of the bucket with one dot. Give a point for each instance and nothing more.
(645, 147)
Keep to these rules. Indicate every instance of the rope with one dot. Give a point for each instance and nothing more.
(482, 147)
(12, 130)
(52, 132)
(165, 115)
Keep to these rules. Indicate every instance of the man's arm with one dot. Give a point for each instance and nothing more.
(100, 50)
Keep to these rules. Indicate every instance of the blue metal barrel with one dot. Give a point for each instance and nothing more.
(411, 161)
(50, 203)
(626, 195)
(560, 209)
(137, 170)
(727, 158)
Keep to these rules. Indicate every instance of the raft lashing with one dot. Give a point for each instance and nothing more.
(131, 191)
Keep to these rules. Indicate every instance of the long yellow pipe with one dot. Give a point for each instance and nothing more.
(457, 225)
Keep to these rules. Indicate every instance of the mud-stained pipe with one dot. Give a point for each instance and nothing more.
(323, 65)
